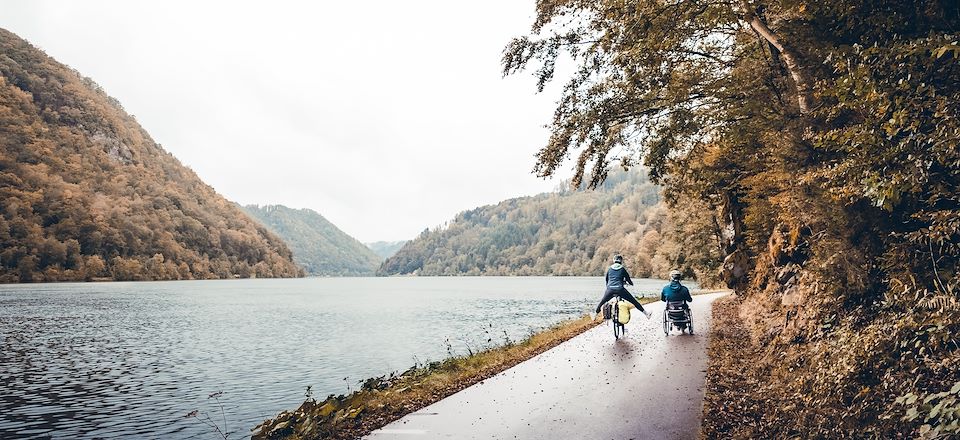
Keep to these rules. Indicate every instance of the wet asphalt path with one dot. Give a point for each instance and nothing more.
(644, 386)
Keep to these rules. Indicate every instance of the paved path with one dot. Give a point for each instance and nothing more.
(644, 386)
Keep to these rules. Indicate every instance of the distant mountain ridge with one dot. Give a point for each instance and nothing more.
(318, 245)
(386, 249)
(560, 233)
(87, 194)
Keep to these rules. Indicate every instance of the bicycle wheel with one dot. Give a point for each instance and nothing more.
(666, 324)
(615, 319)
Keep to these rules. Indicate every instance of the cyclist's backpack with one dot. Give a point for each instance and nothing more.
(607, 311)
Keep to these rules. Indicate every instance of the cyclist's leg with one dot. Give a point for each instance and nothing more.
(606, 297)
(629, 298)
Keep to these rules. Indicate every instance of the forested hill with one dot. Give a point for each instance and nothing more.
(86, 193)
(560, 233)
(317, 245)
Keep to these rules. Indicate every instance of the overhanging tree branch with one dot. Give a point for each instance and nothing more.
(790, 59)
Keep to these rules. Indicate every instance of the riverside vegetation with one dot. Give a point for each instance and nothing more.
(85, 193)
(824, 136)
(382, 400)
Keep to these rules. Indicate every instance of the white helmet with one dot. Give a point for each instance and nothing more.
(675, 275)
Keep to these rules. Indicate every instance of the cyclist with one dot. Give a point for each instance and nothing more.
(616, 278)
(676, 291)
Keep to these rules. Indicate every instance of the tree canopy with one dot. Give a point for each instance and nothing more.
(824, 133)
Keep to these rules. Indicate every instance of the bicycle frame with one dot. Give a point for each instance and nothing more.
(617, 325)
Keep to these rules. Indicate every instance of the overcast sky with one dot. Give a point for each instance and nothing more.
(385, 116)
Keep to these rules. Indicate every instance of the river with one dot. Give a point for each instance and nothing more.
(129, 360)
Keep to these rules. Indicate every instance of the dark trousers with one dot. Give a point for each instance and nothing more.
(622, 293)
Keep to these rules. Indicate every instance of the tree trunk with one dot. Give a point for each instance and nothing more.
(736, 264)
(801, 82)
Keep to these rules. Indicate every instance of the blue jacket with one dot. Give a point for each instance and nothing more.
(617, 276)
(675, 292)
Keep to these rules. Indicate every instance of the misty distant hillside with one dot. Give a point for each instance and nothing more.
(318, 245)
(386, 249)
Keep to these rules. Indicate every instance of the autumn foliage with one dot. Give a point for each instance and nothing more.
(825, 134)
(570, 232)
(85, 193)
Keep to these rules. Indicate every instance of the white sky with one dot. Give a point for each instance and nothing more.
(387, 117)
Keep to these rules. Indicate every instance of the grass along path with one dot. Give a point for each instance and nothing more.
(644, 386)
(382, 400)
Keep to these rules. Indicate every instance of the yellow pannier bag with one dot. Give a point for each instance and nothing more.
(623, 311)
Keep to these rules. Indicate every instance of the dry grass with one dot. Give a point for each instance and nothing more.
(385, 399)
(382, 400)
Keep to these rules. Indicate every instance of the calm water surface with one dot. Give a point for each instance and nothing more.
(129, 360)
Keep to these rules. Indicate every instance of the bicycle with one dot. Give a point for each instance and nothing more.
(611, 311)
(618, 327)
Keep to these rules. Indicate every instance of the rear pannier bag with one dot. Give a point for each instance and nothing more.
(607, 311)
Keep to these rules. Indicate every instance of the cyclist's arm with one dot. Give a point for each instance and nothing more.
(626, 277)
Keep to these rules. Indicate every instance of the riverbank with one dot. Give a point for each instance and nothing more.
(590, 387)
(385, 399)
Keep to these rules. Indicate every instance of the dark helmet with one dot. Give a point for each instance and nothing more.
(618, 258)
